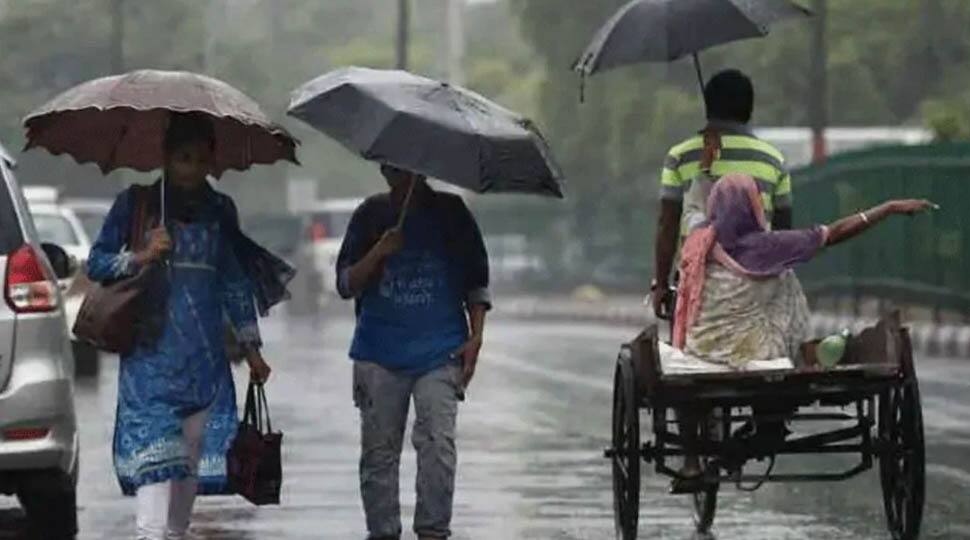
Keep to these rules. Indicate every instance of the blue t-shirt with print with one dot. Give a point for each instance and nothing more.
(413, 319)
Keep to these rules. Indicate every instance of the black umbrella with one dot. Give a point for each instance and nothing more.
(666, 30)
(429, 127)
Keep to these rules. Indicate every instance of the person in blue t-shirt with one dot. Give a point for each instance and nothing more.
(421, 293)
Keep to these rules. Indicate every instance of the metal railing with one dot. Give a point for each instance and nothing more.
(921, 261)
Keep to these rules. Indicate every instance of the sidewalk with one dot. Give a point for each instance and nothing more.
(946, 340)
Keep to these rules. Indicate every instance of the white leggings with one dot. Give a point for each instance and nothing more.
(165, 508)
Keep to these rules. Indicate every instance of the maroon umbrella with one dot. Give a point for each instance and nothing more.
(120, 121)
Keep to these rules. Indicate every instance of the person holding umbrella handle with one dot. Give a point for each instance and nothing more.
(414, 261)
(176, 402)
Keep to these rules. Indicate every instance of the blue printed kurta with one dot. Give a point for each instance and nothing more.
(186, 370)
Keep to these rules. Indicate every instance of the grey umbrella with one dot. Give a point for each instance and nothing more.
(429, 127)
(666, 30)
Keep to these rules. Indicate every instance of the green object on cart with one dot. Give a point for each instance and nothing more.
(831, 350)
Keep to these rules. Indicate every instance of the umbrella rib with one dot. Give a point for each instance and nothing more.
(122, 133)
(452, 95)
(481, 146)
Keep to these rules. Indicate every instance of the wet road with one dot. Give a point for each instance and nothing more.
(530, 445)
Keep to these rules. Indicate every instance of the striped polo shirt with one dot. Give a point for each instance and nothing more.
(741, 152)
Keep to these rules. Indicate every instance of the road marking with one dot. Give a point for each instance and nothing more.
(544, 371)
(953, 474)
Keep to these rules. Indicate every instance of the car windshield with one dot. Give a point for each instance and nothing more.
(55, 229)
(91, 222)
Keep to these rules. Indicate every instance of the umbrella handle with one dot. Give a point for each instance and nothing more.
(407, 202)
(161, 223)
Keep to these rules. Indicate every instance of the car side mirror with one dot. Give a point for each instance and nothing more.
(60, 261)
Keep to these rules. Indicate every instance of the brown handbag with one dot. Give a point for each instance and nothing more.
(109, 315)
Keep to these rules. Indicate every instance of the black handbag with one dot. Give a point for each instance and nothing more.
(254, 463)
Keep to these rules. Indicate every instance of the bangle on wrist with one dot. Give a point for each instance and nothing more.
(865, 218)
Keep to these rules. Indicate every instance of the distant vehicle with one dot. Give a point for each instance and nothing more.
(59, 224)
(284, 235)
(288, 236)
(91, 213)
(796, 142)
(41, 194)
(326, 222)
(38, 426)
(510, 260)
(310, 237)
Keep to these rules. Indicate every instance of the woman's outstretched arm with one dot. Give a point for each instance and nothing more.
(855, 225)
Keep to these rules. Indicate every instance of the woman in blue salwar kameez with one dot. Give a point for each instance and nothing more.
(176, 414)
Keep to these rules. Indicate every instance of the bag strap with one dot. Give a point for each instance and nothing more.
(264, 407)
(257, 408)
(139, 217)
(250, 416)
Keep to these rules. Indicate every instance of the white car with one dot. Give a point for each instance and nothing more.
(39, 443)
(310, 239)
(327, 222)
(59, 225)
(91, 213)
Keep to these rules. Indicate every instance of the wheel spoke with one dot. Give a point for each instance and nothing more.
(899, 504)
(621, 464)
(903, 518)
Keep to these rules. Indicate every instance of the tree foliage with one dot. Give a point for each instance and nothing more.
(264, 47)
(890, 62)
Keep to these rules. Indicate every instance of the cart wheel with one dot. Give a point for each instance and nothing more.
(626, 451)
(705, 502)
(902, 466)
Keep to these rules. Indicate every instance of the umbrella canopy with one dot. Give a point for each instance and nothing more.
(665, 30)
(429, 127)
(120, 121)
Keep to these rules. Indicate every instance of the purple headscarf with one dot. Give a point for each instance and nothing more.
(737, 217)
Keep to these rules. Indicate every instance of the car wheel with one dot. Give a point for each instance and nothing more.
(49, 500)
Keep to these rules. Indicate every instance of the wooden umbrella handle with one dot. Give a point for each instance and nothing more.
(407, 203)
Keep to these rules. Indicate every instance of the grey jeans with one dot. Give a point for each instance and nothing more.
(383, 398)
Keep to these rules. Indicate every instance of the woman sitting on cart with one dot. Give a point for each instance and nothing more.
(738, 299)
